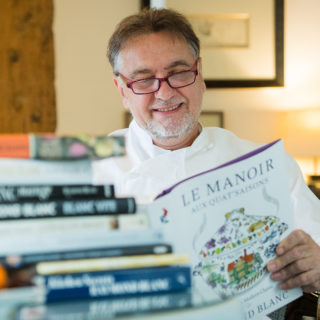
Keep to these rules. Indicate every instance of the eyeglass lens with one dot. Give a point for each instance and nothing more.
(176, 80)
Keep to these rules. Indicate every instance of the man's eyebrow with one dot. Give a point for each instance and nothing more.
(137, 72)
(178, 63)
(146, 71)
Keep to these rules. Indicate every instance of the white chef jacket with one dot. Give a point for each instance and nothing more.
(147, 170)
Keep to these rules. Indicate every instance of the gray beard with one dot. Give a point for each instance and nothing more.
(171, 128)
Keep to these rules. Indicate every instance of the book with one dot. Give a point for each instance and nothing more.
(98, 309)
(230, 220)
(49, 235)
(99, 284)
(22, 192)
(110, 263)
(17, 261)
(11, 298)
(66, 208)
(30, 171)
(20, 276)
(50, 146)
(23, 275)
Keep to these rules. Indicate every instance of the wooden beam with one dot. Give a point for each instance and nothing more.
(27, 94)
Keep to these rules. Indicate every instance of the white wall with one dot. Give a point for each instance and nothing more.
(87, 100)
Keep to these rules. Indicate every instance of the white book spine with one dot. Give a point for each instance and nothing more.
(27, 171)
(31, 236)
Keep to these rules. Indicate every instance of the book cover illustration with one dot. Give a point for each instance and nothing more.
(235, 257)
(229, 221)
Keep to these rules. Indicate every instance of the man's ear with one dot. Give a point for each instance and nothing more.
(119, 84)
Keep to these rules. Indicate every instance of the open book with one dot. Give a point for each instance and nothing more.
(230, 220)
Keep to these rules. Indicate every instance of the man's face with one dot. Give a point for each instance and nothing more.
(168, 113)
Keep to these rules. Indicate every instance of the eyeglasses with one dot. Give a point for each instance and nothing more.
(150, 85)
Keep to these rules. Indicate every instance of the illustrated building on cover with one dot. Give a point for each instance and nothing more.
(236, 255)
(245, 267)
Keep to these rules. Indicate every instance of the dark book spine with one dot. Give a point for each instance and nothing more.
(16, 193)
(66, 208)
(17, 261)
(86, 285)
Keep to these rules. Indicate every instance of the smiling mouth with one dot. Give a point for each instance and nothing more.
(169, 109)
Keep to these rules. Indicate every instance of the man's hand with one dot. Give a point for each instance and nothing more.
(297, 263)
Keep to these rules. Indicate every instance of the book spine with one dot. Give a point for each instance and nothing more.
(17, 261)
(110, 263)
(54, 147)
(66, 208)
(28, 239)
(48, 172)
(16, 193)
(14, 145)
(115, 283)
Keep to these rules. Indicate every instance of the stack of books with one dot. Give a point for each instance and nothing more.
(73, 239)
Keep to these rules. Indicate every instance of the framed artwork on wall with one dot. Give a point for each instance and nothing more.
(241, 40)
(207, 119)
(212, 119)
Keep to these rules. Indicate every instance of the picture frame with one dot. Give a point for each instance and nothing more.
(207, 118)
(271, 60)
(211, 118)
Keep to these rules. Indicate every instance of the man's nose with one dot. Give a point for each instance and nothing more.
(165, 91)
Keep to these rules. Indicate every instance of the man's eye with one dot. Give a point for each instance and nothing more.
(145, 83)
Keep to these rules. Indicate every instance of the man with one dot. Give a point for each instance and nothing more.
(157, 66)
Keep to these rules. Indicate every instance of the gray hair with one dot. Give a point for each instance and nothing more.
(151, 21)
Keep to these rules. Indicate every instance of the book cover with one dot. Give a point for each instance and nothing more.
(230, 220)
(25, 192)
(84, 285)
(60, 147)
(66, 208)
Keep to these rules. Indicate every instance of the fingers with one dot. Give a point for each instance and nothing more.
(292, 269)
(297, 245)
(292, 261)
(295, 238)
(305, 280)
(300, 269)
(297, 263)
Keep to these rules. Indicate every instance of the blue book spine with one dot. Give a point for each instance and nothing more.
(114, 283)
